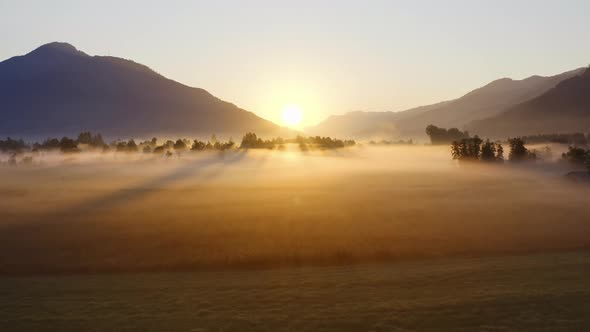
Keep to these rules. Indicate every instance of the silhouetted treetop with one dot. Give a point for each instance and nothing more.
(518, 151)
(475, 149)
(12, 145)
(443, 136)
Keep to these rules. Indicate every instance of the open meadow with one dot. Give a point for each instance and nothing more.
(365, 238)
(258, 208)
(544, 292)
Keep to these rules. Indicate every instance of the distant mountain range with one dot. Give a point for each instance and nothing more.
(472, 111)
(563, 109)
(58, 90)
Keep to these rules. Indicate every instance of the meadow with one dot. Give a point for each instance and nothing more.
(394, 238)
(543, 292)
(258, 208)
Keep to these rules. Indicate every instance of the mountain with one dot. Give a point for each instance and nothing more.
(563, 109)
(58, 90)
(364, 125)
(481, 103)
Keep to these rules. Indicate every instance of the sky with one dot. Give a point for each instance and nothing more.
(326, 57)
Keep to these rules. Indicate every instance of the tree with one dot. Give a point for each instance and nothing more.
(48, 144)
(68, 145)
(179, 145)
(121, 146)
(577, 156)
(160, 149)
(169, 144)
(499, 152)
(198, 145)
(518, 151)
(12, 145)
(132, 146)
(250, 140)
(488, 151)
(475, 149)
(97, 141)
(85, 137)
(230, 144)
(443, 136)
(466, 149)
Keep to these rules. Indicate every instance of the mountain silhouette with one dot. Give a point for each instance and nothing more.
(59, 90)
(363, 125)
(563, 109)
(478, 104)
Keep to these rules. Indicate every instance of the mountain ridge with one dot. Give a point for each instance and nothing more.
(488, 100)
(57, 90)
(564, 108)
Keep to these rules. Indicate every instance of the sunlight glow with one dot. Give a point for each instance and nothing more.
(292, 115)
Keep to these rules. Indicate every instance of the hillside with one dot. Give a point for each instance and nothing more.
(363, 125)
(58, 90)
(563, 109)
(478, 104)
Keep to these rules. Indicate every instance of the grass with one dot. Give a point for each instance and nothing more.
(265, 209)
(547, 292)
(282, 241)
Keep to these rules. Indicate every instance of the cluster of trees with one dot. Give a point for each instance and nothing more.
(572, 139)
(251, 141)
(577, 156)
(440, 136)
(322, 143)
(386, 142)
(184, 145)
(519, 152)
(87, 140)
(125, 146)
(476, 149)
(66, 144)
(12, 145)
(216, 145)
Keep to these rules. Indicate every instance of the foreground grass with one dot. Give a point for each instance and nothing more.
(548, 292)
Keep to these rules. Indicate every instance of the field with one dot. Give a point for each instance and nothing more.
(366, 238)
(105, 213)
(547, 292)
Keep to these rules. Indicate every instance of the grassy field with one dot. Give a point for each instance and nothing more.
(104, 213)
(365, 239)
(547, 292)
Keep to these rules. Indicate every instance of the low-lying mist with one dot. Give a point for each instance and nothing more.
(90, 212)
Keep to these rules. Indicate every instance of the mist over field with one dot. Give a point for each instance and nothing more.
(256, 208)
(331, 166)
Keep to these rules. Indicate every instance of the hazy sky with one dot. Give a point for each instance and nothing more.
(328, 57)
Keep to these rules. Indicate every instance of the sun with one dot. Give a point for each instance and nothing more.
(292, 115)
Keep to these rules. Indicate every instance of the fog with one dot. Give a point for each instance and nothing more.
(91, 212)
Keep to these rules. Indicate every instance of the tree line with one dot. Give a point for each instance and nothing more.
(443, 136)
(577, 156)
(387, 142)
(476, 149)
(467, 148)
(89, 141)
(571, 139)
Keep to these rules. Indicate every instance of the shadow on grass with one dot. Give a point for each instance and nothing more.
(193, 168)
